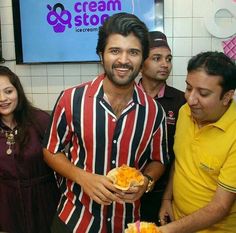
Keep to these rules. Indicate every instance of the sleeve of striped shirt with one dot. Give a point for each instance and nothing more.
(58, 132)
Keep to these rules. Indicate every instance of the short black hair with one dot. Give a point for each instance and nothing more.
(216, 64)
(123, 24)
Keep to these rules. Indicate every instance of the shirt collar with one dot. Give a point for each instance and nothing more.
(226, 120)
(229, 116)
(95, 90)
(160, 94)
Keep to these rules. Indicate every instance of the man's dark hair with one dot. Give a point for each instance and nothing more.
(123, 24)
(216, 64)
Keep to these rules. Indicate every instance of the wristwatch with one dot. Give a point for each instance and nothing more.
(150, 183)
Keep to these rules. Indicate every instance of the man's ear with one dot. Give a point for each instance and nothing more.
(228, 96)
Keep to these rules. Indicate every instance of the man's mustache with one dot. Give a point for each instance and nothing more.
(122, 66)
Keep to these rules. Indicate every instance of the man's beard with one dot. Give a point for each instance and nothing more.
(128, 80)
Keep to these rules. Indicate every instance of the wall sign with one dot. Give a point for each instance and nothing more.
(210, 19)
(52, 31)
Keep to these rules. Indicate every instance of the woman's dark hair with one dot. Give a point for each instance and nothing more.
(216, 64)
(23, 113)
(123, 24)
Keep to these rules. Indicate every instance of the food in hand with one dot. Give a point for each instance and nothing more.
(125, 177)
(142, 227)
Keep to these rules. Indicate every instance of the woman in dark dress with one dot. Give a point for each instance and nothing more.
(28, 190)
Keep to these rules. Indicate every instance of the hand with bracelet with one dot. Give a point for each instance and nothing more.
(150, 183)
(166, 213)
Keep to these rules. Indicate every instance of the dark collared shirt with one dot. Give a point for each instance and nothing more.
(171, 99)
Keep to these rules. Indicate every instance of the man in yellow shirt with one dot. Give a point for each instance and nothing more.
(201, 192)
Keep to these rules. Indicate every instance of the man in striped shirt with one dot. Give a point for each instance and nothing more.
(105, 123)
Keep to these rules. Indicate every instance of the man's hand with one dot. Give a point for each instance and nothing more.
(99, 188)
(132, 194)
(166, 212)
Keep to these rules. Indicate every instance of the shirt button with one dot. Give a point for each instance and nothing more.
(114, 120)
(114, 141)
(113, 161)
(108, 219)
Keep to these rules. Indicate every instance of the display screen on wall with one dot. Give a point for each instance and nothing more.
(48, 31)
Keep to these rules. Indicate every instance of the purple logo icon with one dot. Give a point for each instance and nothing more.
(58, 17)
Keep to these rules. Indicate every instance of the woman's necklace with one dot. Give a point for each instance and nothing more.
(10, 137)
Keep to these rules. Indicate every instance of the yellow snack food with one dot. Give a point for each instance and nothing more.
(125, 177)
(142, 227)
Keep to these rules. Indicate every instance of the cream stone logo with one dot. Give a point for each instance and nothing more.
(58, 17)
(88, 14)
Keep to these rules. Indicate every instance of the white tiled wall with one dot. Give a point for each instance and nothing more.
(184, 27)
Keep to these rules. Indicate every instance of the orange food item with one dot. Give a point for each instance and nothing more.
(125, 177)
(142, 227)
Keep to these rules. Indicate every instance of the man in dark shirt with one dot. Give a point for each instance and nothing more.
(155, 71)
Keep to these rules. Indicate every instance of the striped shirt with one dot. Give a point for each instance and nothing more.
(99, 142)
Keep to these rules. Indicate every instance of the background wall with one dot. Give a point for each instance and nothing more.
(184, 27)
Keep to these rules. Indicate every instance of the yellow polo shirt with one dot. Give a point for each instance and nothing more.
(205, 159)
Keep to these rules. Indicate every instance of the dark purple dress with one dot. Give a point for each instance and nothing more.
(28, 190)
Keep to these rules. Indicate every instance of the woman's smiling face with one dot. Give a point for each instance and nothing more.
(8, 97)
